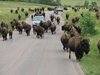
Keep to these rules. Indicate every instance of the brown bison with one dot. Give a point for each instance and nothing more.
(10, 34)
(52, 17)
(43, 14)
(53, 28)
(26, 14)
(67, 16)
(75, 30)
(4, 32)
(98, 15)
(75, 19)
(14, 24)
(66, 27)
(58, 20)
(49, 23)
(79, 46)
(3, 24)
(19, 16)
(26, 27)
(11, 11)
(39, 31)
(64, 40)
(45, 26)
(31, 10)
(71, 28)
(98, 45)
(20, 28)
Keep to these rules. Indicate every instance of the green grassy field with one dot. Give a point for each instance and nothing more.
(89, 63)
(5, 7)
(77, 2)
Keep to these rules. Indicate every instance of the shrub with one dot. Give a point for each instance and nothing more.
(87, 23)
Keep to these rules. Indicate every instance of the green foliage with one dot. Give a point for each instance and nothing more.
(87, 24)
(93, 4)
(86, 4)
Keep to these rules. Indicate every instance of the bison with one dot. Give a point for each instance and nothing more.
(4, 32)
(45, 26)
(52, 17)
(10, 34)
(79, 46)
(67, 16)
(19, 16)
(98, 45)
(39, 31)
(20, 28)
(53, 28)
(75, 19)
(26, 27)
(64, 40)
(58, 20)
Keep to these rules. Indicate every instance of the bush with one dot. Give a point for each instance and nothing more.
(87, 23)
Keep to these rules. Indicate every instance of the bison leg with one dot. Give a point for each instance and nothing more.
(27, 32)
(10, 36)
(3, 38)
(69, 54)
(37, 35)
(64, 47)
(34, 32)
(41, 36)
(52, 32)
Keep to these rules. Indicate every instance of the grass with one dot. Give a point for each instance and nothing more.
(77, 2)
(5, 7)
(89, 63)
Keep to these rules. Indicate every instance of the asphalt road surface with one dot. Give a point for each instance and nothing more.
(32, 56)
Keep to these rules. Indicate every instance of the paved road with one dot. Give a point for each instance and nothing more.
(31, 56)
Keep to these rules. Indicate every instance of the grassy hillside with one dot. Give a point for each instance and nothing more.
(77, 2)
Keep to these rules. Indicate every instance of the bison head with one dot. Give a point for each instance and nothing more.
(85, 45)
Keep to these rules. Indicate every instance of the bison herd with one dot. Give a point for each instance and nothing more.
(22, 26)
(71, 38)
(72, 41)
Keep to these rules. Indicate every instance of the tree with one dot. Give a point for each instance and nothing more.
(87, 23)
(58, 2)
(45, 1)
